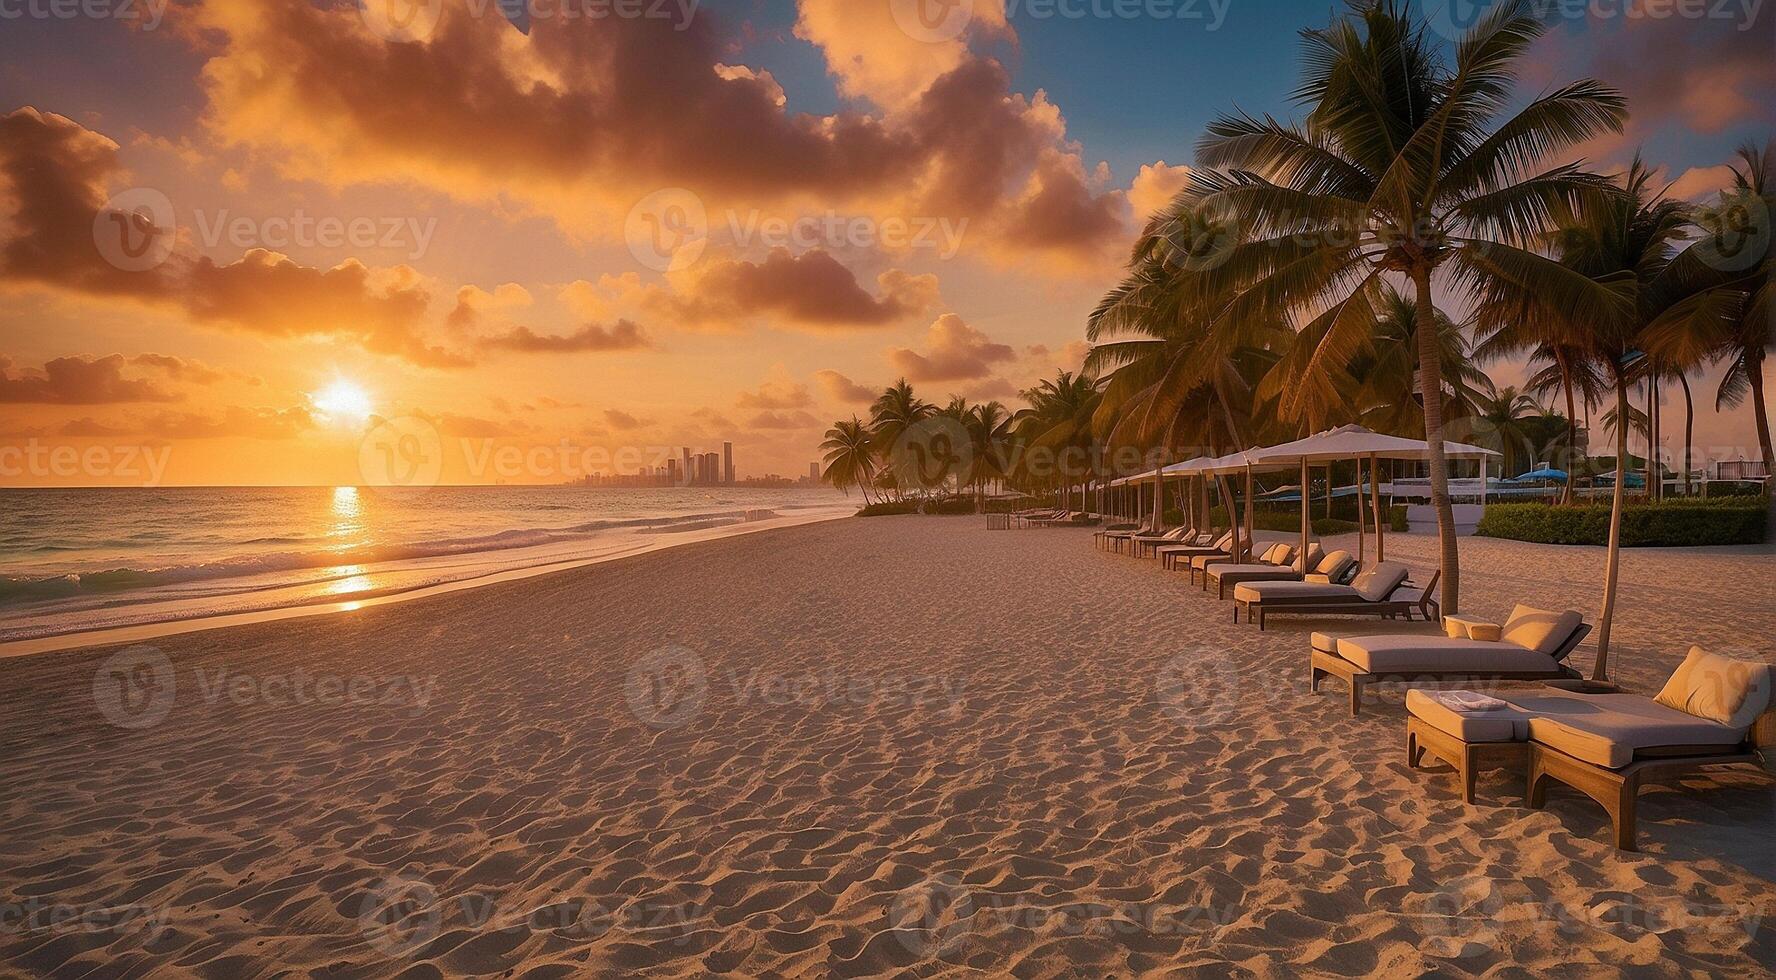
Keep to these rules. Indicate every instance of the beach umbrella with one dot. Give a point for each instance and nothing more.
(1356, 442)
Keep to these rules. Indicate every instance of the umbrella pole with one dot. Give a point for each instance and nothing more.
(1362, 525)
(1375, 498)
(1306, 517)
(1245, 552)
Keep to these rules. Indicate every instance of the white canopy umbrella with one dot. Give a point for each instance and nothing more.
(1357, 443)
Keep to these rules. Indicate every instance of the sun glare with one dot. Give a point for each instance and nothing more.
(343, 401)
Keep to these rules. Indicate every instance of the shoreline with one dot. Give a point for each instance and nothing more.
(135, 633)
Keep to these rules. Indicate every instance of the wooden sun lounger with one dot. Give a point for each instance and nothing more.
(1171, 555)
(1323, 663)
(1342, 603)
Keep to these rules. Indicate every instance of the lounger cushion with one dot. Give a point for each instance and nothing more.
(1294, 591)
(1388, 654)
(1380, 581)
(1314, 556)
(1463, 628)
(1539, 629)
(1509, 724)
(1721, 689)
(1273, 572)
(1610, 729)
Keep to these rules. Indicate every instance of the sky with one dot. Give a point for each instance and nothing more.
(313, 242)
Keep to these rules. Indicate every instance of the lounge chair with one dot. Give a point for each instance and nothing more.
(1320, 566)
(1173, 555)
(1532, 645)
(1383, 590)
(1100, 539)
(1277, 556)
(1146, 544)
(1714, 711)
(1058, 517)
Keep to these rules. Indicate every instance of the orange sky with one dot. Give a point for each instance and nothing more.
(587, 246)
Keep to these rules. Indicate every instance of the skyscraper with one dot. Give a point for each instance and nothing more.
(728, 463)
(690, 472)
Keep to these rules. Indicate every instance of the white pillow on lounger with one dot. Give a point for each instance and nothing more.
(1380, 581)
(1732, 692)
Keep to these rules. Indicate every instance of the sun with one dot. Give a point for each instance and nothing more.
(343, 401)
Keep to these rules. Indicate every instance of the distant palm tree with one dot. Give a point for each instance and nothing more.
(989, 435)
(1056, 431)
(1502, 424)
(1405, 170)
(1735, 229)
(1627, 244)
(896, 411)
(850, 457)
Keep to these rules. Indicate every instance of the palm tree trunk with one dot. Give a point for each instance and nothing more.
(1754, 373)
(1570, 463)
(1613, 564)
(1689, 430)
(1430, 384)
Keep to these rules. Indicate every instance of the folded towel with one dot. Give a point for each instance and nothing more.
(1468, 702)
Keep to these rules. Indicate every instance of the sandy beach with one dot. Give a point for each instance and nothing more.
(903, 746)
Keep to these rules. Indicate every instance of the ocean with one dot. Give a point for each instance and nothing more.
(77, 560)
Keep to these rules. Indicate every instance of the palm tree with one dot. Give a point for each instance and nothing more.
(1403, 169)
(1626, 243)
(850, 457)
(1385, 377)
(1503, 419)
(895, 412)
(1056, 432)
(1736, 253)
(989, 434)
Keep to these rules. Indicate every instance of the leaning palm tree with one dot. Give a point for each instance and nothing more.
(850, 458)
(893, 414)
(1406, 168)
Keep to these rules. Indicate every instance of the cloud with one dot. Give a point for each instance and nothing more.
(582, 119)
(954, 352)
(179, 368)
(843, 389)
(78, 381)
(783, 420)
(474, 427)
(776, 393)
(473, 303)
(622, 335)
(1154, 188)
(234, 422)
(54, 174)
(812, 290)
(1701, 183)
(623, 421)
(874, 58)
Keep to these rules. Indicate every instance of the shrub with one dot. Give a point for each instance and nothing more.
(950, 505)
(888, 507)
(1397, 519)
(1679, 523)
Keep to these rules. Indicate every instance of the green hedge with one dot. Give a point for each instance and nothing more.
(889, 507)
(952, 505)
(1680, 523)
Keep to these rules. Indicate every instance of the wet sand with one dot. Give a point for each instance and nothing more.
(903, 745)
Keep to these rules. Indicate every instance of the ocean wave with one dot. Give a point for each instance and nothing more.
(105, 581)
